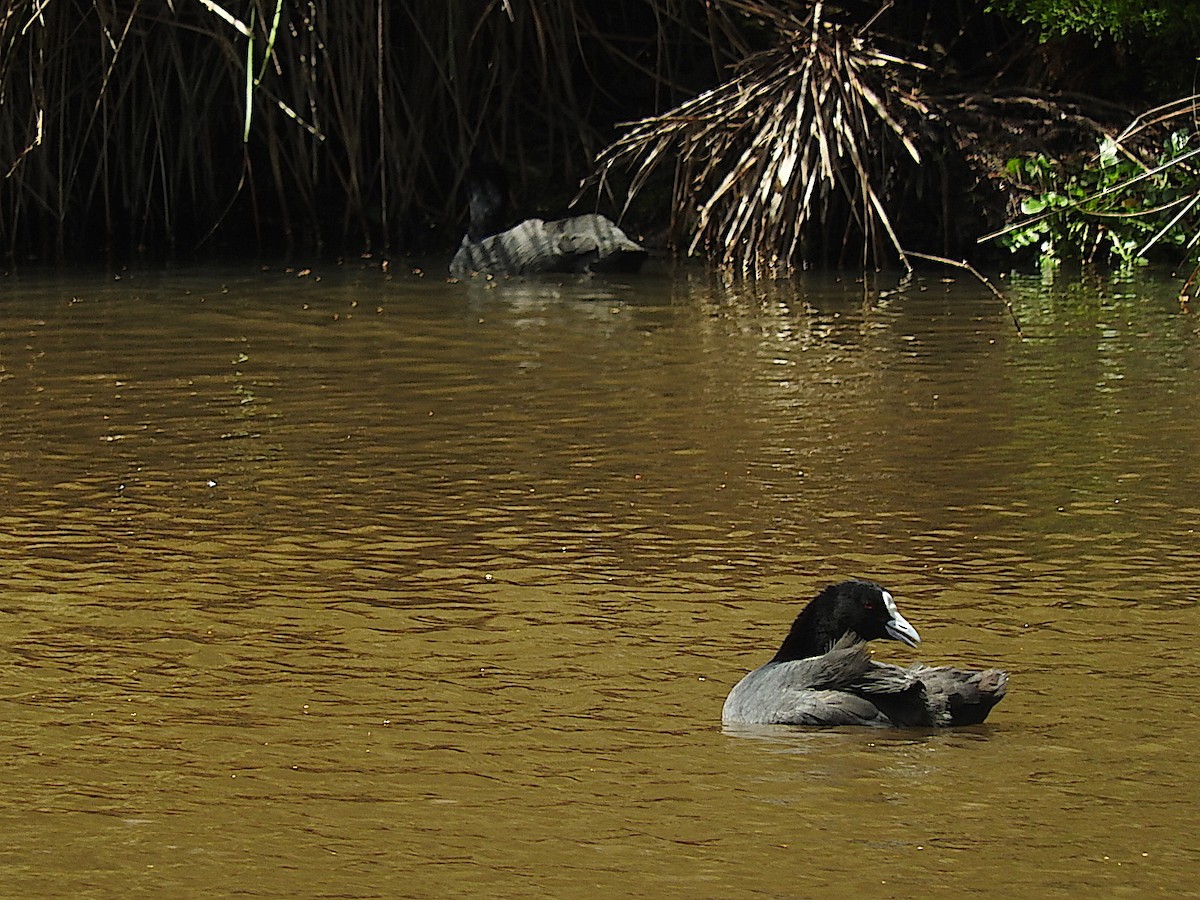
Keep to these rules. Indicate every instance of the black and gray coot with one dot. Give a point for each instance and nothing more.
(824, 675)
(586, 243)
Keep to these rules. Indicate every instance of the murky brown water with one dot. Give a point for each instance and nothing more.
(363, 587)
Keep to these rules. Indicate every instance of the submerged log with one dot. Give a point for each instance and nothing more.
(587, 243)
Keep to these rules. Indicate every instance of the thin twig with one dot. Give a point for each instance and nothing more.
(966, 266)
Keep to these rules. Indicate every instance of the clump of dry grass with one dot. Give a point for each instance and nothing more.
(796, 144)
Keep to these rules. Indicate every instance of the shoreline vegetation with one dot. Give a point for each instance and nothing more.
(764, 136)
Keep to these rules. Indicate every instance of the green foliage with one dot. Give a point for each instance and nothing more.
(1103, 18)
(1114, 207)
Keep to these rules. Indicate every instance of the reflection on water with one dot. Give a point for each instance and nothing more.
(356, 586)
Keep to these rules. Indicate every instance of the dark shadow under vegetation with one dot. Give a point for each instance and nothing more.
(765, 135)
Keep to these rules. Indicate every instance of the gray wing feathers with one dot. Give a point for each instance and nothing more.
(833, 689)
(846, 687)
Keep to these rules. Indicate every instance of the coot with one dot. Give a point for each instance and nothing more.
(824, 675)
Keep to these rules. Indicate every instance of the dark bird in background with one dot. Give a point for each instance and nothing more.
(824, 675)
(489, 200)
(586, 243)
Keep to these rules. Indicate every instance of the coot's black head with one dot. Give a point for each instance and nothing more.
(862, 607)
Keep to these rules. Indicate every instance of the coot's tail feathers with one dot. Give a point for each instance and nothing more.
(958, 697)
(931, 695)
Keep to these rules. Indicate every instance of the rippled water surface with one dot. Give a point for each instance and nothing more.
(345, 585)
